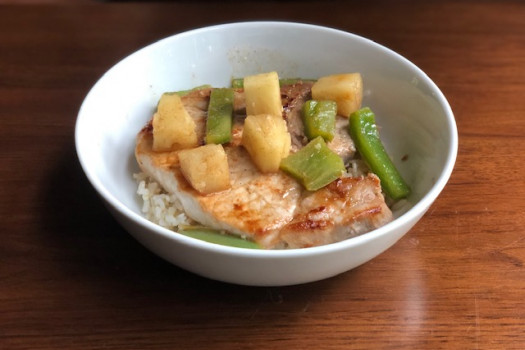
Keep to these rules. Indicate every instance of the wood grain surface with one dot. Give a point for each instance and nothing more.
(72, 278)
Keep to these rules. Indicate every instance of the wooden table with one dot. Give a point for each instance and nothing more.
(72, 278)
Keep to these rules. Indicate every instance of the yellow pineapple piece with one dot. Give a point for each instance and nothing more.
(173, 128)
(267, 140)
(262, 94)
(205, 168)
(345, 89)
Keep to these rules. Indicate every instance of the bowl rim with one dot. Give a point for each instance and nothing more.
(418, 209)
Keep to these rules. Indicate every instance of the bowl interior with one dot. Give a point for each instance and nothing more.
(415, 120)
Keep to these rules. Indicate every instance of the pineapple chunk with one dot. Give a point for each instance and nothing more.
(205, 168)
(345, 89)
(173, 128)
(263, 94)
(267, 140)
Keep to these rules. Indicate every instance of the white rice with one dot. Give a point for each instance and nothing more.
(159, 206)
(355, 168)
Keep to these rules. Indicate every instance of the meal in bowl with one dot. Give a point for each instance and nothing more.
(268, 163)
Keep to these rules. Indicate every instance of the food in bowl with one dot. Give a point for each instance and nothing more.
(279, 163)
(414, 116)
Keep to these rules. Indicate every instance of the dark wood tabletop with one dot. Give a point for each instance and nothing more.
(72, 278)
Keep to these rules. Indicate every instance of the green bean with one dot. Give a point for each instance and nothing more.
(185, 92)
(363, 129)
(238, 83)
(220, 114)
(319, 119)
(218, 237)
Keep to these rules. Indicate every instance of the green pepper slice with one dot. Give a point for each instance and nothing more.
(319, 119)
(363, 129)
(220, 114)
(185, 92)
(291, 81)
(238, 83)
(314, 166)
(217, 237)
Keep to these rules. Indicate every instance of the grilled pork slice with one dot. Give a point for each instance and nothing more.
(272, 209)
(347, 207)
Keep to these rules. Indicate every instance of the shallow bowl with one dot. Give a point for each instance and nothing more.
(417, 124)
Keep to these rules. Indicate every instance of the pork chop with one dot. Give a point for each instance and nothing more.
(272, 209)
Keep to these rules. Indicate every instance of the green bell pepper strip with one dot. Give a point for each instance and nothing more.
(185, 92)
(363, 129)
(217, 237)
(291, 81)
(238, 83)
(314, 166)
(319, 119)
(182, 93)
(220, 115)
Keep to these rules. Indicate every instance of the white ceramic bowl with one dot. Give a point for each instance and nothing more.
(415, 119)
